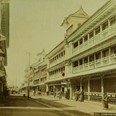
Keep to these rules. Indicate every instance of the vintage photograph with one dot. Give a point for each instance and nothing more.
(57, 57)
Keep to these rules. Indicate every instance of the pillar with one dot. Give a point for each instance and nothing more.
(47, 89)
(101, 58)
(88, 89)
(70, 91)
(81, 84)
(102, 87)
(88, 62)
(109, 55)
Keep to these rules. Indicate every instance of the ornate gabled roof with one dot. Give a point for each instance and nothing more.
(80, 13)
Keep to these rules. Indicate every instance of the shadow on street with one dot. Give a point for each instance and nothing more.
(19, 105)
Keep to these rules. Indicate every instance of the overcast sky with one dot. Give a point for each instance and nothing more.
(35, 25)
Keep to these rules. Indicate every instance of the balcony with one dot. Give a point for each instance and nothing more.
(103, 62)
(59, 75)
(102, 36)
(57, 61)
(112, 29)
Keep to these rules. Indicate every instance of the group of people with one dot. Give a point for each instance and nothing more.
(57, 94)
(60, 93)
(79, 95)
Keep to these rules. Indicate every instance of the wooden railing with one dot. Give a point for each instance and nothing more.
(102, 36)
(95, 64)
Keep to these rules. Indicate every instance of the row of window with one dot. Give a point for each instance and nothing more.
(59, 70)
(57, 56)
(96, 31)
(95, 56)
(41, 80)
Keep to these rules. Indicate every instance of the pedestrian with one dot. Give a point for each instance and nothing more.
(105, 101)
(81, 95)
(76, 94)
(54, 93)
(60, 95)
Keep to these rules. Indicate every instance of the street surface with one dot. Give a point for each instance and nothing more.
(22, 106)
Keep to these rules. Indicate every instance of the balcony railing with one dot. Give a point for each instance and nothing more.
(102, 36)
(93, 93)
(105, 61)
(57, 61)
(59, 75)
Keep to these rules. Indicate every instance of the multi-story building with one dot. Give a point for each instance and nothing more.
(4, 42)
(25, 88)
(40, 76)
(58, 66)
(93, 53)
(90, 56)
(36, 75)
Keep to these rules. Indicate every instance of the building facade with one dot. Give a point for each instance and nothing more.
(59, 65)
(56, 68)
(89, 58)
(4, 43)
(40, 76)
(36, 75)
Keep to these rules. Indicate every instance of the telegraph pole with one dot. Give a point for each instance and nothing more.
(28, 81)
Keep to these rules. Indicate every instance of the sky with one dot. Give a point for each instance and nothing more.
(36, 25)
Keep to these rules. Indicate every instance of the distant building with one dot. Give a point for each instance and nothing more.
(13, 89)
(36, 76)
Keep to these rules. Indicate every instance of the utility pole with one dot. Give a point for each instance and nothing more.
(28, 80)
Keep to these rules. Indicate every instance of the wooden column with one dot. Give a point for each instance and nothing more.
(81, 84)
(109, 55)
(47, 89)
(102, 86)
(88, 89)
(101, 57)
(70, 91)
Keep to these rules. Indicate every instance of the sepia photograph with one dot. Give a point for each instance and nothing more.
(57, 57)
